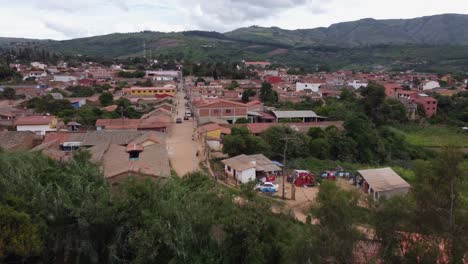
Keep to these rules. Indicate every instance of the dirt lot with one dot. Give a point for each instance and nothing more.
(305, 197)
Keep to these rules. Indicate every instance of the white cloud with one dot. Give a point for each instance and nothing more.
(60, 19)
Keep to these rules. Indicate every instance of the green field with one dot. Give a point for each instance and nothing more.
(433, 136)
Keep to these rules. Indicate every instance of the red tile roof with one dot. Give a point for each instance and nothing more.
(34, 120)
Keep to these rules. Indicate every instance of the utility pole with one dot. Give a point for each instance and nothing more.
(286, 139)
(144, 49)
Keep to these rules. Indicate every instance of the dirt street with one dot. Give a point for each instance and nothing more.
(182, 150)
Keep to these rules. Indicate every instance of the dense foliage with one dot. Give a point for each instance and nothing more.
(66, 212)
(452, 110)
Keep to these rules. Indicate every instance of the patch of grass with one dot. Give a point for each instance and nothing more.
(433, 136)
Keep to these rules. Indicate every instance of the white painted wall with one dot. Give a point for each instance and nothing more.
(314, 87)
(246, 175)
(243, 176)
(38, 129)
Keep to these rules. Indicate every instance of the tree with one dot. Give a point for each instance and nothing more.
(106, 99)
(440, 206)
(18, 234)
(374, 95)
(234, 84)
(275, 137)
(390, 218)
(336, 213)
(267, 95)
(246, 94)
(241, 142)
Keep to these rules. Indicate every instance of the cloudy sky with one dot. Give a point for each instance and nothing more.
(65, 19)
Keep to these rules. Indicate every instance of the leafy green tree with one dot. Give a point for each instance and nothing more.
(276, 136)
(390, 218)
(106, 99)
(18, 234)
(71, 199)
(47, 104)
(374, 96)
(241, 142)
(87, 116)
(316, 132)
(246, 94)
(362, 131)
(267, 95)
(234, 84)
(337, 214)
(440, 203)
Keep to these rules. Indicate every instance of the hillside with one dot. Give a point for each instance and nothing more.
(434, 43)
(448, 29)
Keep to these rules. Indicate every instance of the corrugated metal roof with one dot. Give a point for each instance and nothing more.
(258, 161)
(295, 114)
(384, 179)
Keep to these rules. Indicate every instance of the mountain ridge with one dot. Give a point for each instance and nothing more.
(426, 43)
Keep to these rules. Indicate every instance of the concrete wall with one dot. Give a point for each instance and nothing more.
(38, 129)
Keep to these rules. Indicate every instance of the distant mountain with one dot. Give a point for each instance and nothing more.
(397, 43)
(447, 29)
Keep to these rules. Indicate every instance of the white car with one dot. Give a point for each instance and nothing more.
(267, 187)
(188, 113)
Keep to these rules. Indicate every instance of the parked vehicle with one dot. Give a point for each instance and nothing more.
(328, 175)
(267, 187)
(179, 120)
(188, 113)
(302, 178)
(269, 178)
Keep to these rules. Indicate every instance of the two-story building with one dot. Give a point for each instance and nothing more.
(222, 109)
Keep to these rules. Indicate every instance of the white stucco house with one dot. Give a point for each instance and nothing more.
(39, 125)
(429, 85)
(245, 168)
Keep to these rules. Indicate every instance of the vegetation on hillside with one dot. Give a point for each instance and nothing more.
(66, 212)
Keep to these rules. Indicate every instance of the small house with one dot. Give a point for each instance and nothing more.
(382, 182)
(245, 168)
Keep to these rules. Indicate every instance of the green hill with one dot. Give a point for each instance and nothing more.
(434, 43)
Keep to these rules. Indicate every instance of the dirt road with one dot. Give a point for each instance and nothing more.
(182, 150)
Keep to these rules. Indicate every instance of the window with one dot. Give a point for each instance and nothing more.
(216, 111)
(134, 155)
(228, 111)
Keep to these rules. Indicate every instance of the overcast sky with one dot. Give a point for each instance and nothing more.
(65, 19)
